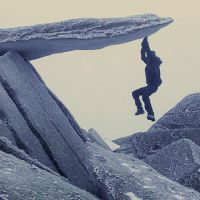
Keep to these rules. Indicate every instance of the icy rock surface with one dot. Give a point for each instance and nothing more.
(179, 161)
(180, 122)
(119, 176)
(184, 115)
(171, 145)
(7, 147)
(20, 180)
(78, 34)
(38, 123)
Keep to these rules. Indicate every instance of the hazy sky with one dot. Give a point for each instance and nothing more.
(96, 85)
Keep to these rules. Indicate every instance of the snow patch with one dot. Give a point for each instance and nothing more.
(147, 179)
(179, 197)
(111, 144)
(131, 168)
(132, 196)
(148, 187)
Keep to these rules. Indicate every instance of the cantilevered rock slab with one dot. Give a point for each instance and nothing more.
(78, 34)
(120, 177)
(178, 161)
(24, 181)
(53, 130)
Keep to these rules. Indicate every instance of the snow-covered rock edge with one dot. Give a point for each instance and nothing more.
(78, 34)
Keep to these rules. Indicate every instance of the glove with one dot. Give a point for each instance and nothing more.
(145, 42)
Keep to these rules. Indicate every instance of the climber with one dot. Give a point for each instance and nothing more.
(153, 80)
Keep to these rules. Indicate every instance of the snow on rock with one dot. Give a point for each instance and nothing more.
(119, 174)
(180, 122)
(179, 161)
(132, 196)
(95, 137)
(7, 147)
(20, 180)
(111, 144)
(39, 124)
(78, 34)
(185, 115)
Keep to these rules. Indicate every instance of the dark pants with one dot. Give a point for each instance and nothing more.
(145, 92)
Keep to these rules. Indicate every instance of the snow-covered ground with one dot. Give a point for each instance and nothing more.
(78, 34)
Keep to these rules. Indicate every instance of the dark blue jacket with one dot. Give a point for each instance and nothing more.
(152, 70)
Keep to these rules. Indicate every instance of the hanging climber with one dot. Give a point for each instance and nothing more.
(153, 80)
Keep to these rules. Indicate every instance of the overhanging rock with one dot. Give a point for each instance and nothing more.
(78, 34)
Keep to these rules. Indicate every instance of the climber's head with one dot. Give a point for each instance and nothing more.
(152, 53)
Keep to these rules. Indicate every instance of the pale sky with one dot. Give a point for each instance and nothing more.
(96, 85)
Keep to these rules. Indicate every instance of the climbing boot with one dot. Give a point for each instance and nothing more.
(139, 112)
(151, 118)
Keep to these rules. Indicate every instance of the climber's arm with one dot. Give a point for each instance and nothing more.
(143, 55)
(145, 45)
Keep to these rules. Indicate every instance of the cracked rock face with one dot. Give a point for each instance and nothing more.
(23, 181)
(95, 137)
(120, 177)
(38, 123)
(41, 143)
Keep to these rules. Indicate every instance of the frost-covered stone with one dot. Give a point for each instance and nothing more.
(179, 161)
(142, 145)
(184, 115)
(120, 177)
(39, 123)
(180, 122)
(95, 137)
(15, 128)
(78, 34)
(7, 147)
(23, 181)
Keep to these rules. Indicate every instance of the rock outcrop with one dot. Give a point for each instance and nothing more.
(171, 145)
(37, 124)
(119, 176)
(179, 161)
(183, 116)
(45, 154)
(24, 181)
(34, 42)
(180, 122)
(95, 137)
